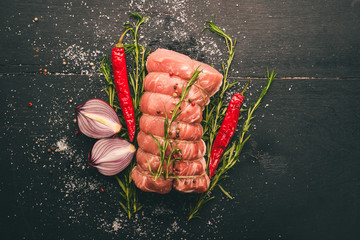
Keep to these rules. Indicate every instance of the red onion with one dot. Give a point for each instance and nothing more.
(97, 119)
(112, 155)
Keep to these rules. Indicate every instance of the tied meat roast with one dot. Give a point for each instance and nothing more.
(169, 73)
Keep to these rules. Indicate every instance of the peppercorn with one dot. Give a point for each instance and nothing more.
(158, 111)
(177, 135)
(175, 87)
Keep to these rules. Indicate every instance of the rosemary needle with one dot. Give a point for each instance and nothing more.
(213, 117)
(129, 203)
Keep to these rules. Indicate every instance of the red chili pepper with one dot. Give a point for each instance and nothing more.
(122, 85)
(226, 131)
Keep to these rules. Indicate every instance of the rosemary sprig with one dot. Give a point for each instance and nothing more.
(231, 156)
(129, 193)
(167, 126)
(215, 111)
(105, 69)
(213, 116)
(136, 75)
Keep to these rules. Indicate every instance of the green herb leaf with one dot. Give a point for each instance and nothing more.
(214, 114)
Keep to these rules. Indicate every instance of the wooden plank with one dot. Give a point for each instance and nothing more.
(298, 176)
(301, 39)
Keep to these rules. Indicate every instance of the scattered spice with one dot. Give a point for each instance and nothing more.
(102, 190)
(192, 104)
(175, 95)
(70, 100)
(49, 150)
(45, 71)
(158, 111)
(36, 19)
(50, 171)
(170, 74)
(91, 64)
(175, 87)
(52, 148)
(30, 104)
(74, 120)
(190, 101)
(76, 132)
(64, 63)
(36, 142)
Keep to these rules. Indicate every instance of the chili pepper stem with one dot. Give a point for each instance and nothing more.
(119, 44)
(247, 85)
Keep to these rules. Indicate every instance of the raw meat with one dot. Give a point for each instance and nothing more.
(189, 168)
(146, 160)
(191, 150)
(196, 184)
(146, 182)
(168, 61)
(156, 104)
(169, 73)
(164, 83)
(180, 130)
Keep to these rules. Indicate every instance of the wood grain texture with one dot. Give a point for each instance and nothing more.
(298, 38)
(298, 177)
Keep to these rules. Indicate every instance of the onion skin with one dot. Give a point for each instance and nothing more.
(111, 155)
(97, 119)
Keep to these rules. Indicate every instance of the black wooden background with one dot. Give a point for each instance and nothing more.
(298, 176)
